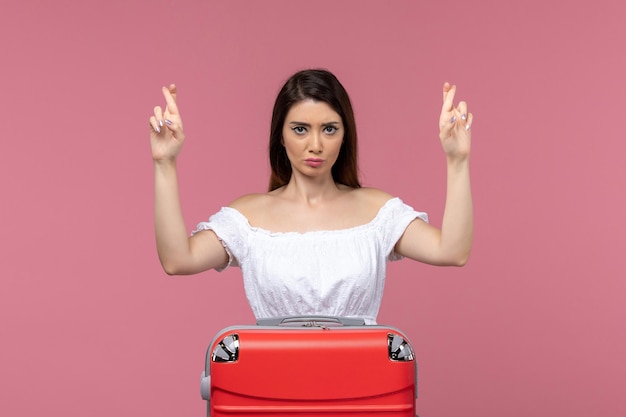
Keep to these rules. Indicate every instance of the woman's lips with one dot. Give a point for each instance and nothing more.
(314, 162)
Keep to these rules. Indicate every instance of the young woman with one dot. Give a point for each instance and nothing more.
(316, 242)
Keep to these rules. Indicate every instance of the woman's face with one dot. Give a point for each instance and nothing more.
(312, 136)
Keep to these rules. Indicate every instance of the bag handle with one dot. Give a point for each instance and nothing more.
(311, 321)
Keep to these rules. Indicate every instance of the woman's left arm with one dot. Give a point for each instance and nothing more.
(452, 244)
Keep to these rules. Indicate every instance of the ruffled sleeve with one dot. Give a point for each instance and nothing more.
(395, 217)
(232, 229)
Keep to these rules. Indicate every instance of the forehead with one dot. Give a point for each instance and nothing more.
(310, 110)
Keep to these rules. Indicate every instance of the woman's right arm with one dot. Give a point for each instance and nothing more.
(179, 254)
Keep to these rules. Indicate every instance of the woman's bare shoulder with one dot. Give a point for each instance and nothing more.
(250, 202)
(366, 203)
(372, 196)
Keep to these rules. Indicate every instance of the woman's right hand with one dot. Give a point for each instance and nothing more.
(166, 128)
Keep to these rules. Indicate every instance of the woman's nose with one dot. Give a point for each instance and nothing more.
(315, 145)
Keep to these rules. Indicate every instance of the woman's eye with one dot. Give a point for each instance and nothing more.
(329, 130)
(299, 130)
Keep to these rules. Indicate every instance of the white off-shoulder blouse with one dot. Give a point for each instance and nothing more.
(334, 272)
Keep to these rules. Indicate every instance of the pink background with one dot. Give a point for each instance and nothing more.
(532, 326)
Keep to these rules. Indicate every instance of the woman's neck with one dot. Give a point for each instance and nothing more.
(311, 191)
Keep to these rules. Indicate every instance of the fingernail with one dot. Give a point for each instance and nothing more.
(453, 119)
(158, 130)
(463, 116)
(467, 127)
(169, 122)
(161, 123)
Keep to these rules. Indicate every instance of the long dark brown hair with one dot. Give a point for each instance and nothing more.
(318, 85)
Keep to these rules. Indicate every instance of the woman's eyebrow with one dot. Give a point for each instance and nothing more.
(300, 123)
(294, 122)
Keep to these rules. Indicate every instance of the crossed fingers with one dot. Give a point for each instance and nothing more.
(458, 115)
(161, 117)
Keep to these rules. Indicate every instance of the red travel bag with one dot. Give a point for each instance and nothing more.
(310, 366)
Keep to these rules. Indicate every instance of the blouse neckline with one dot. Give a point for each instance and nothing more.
(367, 225)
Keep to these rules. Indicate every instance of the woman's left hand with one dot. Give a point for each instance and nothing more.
(454, 126)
